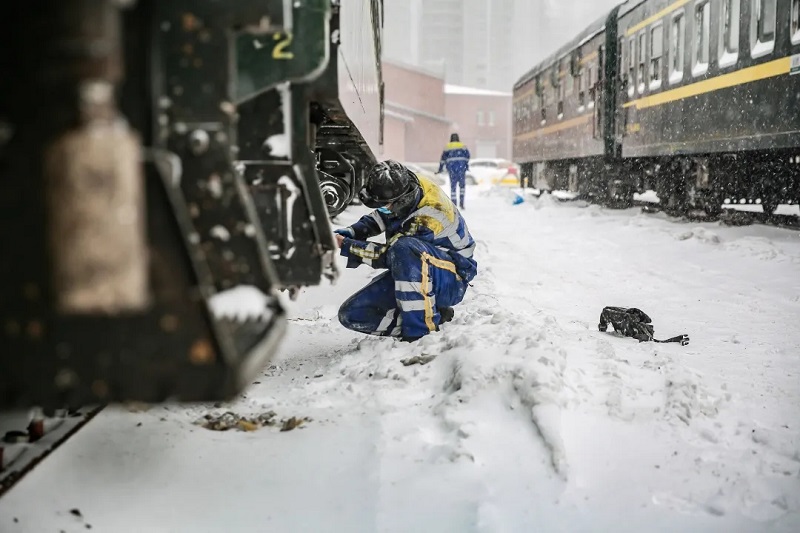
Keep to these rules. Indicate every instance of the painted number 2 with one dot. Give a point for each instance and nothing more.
(283, 41)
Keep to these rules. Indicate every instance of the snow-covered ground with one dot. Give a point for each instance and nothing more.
(528, 419)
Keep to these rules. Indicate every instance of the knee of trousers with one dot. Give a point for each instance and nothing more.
(403, 250)
(345, 311)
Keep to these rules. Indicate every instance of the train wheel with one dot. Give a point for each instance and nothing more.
(712, 203)
(619, 194)
(337, 195)
(769, 203)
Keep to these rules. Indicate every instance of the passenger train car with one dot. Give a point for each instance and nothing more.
(157, 156)
(697, 99)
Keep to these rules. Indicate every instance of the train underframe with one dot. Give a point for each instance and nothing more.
(682, 183)
(156, 157)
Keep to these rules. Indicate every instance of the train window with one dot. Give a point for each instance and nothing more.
(702, 25)
(631, 65)
(580, 81)
(642, 38)
(491, 118)
(795, 21)
(480, 118)
(729, 36)
(762, 27)
(562, 88)
(590, 83)
(656, 51)
(677, 38)
(543, 107)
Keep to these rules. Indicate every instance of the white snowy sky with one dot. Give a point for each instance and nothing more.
(543, 26)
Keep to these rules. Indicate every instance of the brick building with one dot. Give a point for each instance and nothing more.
(421, 112)
(482, 119)
(415, 126)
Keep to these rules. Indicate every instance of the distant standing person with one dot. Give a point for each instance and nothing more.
(456, 159)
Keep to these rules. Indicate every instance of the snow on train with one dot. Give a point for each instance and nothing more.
(695, 99)
(155, 156)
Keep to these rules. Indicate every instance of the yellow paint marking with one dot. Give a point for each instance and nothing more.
(440, 263)
(425, 298)
(740, 77)
(649, 20)
(523, 95)
(577, 121)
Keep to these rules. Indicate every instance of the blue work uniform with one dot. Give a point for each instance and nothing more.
(456, 159)
(428, 257)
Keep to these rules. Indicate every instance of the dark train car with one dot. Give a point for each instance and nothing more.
(558, 112)
(700, 103)
(709, 104)
(154, 158)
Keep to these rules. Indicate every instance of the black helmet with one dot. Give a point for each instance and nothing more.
(454, 138)
(389, 182)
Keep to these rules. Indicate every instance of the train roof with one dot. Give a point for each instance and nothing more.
(588, 33)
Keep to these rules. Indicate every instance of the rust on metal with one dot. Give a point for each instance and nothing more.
(97, 236)
(201, 353)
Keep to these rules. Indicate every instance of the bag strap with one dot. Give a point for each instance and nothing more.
(683, 339)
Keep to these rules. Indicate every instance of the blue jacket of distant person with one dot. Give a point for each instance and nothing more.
(455, 159)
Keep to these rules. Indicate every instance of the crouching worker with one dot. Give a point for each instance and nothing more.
(427, 256)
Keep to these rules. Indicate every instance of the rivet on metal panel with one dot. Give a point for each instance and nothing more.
(190, 22)
(227, 107)
(215, 185)
(201, 353)
(199, 141)
(169, 323)
(66, 378)
(181, 128)
(194, 210)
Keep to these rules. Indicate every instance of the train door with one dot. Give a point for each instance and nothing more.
(627, 75)
(597, 94)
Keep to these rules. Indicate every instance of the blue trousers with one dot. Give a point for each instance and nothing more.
(461, 181)
(405, 300)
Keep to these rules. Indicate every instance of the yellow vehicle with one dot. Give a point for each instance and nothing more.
(494, 172)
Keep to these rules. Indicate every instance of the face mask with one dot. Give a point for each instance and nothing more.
(385, 210)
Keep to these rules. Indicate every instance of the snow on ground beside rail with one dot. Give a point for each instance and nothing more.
(528, 419)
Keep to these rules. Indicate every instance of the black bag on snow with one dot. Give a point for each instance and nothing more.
(632, 322)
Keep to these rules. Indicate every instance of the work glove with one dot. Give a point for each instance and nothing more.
(344, 232)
